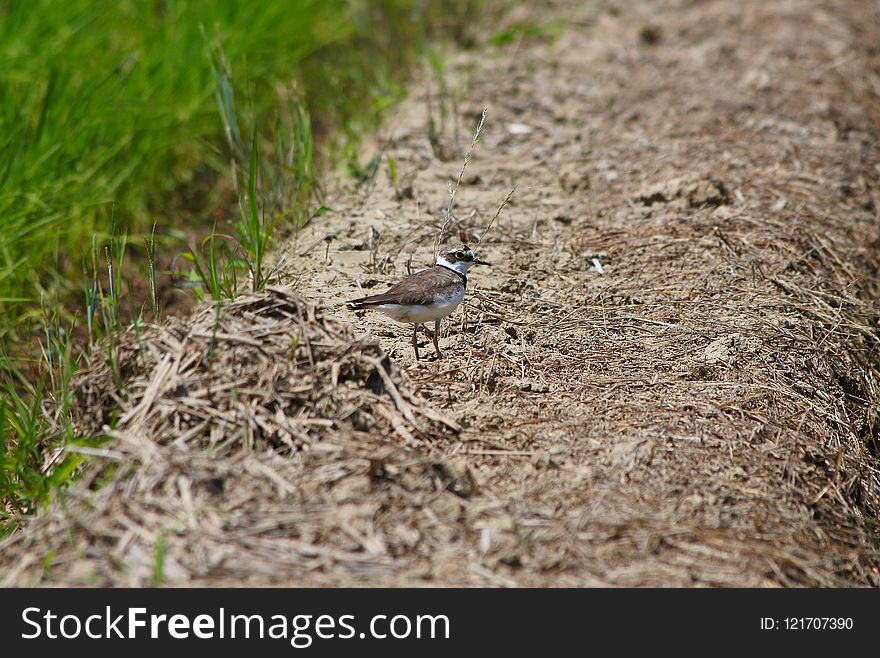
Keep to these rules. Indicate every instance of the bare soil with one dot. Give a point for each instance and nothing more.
(701, 409)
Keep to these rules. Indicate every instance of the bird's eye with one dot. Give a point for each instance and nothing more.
(460, 255)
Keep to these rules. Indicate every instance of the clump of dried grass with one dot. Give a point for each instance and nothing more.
(201, 380)
(257, 439)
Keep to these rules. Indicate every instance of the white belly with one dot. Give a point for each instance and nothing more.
(441, 307)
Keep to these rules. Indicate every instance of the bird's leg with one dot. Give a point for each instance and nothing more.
(415, 339)
(436, 335)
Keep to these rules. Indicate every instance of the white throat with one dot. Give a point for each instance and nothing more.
(461, 266)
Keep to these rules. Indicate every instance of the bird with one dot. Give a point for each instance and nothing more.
(429, 294)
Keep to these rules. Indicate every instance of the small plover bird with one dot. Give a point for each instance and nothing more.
(431, 294)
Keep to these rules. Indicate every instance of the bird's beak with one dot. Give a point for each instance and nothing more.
(480, 261)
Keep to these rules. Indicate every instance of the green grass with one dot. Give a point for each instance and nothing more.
(27, 478)
(129, 131)
(110, 109)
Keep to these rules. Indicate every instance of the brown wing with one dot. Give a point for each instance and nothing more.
(418, 288)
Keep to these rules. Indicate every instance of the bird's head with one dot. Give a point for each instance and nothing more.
(460, 259)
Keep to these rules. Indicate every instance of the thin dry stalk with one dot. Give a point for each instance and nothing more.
(453, 189)
(495, 216)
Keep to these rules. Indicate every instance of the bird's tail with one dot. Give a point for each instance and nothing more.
(363, 302)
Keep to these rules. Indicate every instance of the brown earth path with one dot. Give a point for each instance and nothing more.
(701, 412)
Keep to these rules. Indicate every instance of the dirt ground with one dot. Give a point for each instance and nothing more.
(698, 410)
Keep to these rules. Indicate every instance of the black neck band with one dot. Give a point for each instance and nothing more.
(446, 267)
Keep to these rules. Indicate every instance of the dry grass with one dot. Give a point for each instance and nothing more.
(262, 418)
